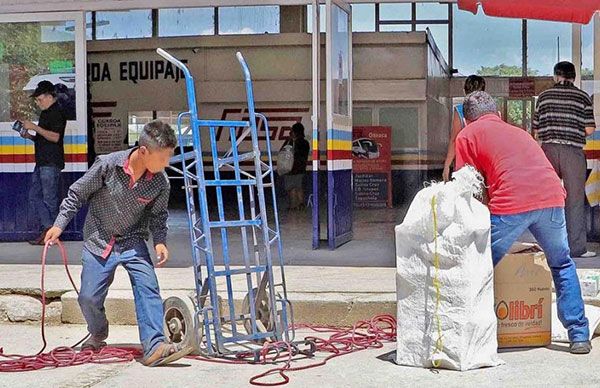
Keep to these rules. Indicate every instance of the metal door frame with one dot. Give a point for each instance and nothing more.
(339, 133)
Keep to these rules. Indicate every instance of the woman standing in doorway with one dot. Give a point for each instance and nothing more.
(294, 180)
(473, 83)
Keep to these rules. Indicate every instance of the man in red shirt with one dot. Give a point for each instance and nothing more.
(524, 193)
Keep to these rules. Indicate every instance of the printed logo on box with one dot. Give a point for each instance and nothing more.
(519, 310)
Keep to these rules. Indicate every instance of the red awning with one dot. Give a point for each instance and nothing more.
(572, 11)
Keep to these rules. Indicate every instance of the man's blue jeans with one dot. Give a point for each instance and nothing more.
(549, 228)
(97, 275)
(43, 195)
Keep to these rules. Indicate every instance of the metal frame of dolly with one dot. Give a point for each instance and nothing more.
(266, 308)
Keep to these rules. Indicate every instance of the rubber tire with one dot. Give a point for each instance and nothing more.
(185, 308)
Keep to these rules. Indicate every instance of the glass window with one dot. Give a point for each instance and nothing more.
(440, 36)
(249, 20)
(395, 27)
(170, 117)
(363, 17)
(124, 24)
(186, 21)
(547, 44)
(362, 117)
(432, 11)
(322, 18)
(514, 113)
(395, 11)
(136, 123)
(405, 125)
(88, 25)
(587, 51)
(31, 53)
(486, 45)
(340, 60)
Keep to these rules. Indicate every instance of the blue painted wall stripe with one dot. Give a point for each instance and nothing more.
(336, 134)
(15, 140)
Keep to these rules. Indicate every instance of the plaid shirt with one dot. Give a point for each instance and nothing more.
(121, 211)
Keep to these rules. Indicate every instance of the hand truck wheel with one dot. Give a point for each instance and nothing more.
(179, 325)
(264, 323)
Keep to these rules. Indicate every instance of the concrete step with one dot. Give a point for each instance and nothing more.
(319, 295)
(323, 308)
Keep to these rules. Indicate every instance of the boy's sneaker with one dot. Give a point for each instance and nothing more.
(93, 343)
(583, 347)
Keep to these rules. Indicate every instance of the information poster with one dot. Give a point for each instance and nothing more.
(372, 166)
(109, 135)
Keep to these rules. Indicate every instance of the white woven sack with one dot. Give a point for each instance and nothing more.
(452, 326)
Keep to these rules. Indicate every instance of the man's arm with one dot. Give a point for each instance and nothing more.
(590, 122)
(26, 135)
(51, 136)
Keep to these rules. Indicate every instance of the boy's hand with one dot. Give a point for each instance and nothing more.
(53, 234)
(162, 254)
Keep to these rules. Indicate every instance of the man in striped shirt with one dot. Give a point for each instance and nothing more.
(564, 116)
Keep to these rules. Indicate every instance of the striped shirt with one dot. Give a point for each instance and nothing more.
(562, 113)
(121, 211)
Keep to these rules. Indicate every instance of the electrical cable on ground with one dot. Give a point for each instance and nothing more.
(371, 334)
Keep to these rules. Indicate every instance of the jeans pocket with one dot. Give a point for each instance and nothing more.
(557, 217)
(514, 219)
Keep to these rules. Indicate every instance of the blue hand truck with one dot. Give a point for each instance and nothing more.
(210, 321)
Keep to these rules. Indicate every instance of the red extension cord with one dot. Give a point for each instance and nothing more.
(64, 355)
(363, 335)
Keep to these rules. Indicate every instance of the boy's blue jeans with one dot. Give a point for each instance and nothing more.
(98, 274)
(548, 226)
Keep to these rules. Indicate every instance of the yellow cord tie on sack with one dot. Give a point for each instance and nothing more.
(439, 345)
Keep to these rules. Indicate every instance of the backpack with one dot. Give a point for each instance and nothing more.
(66, 100)
(285, 160)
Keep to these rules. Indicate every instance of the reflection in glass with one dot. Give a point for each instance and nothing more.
(124, 24)
(440, 36)
(186, 21)
(322, 19)
(362, 117)
(249, 20)
(340, 56)
(30, 53)
(405, 125)
(135, 125)
(587, 51)
(363, 17)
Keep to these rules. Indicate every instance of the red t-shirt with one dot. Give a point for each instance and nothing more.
(518, 176)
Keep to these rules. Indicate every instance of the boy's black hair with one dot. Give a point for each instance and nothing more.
(157, 134)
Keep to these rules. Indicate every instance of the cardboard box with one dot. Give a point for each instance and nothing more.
(523, 298)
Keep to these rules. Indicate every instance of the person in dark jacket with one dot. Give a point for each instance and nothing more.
(294, 180)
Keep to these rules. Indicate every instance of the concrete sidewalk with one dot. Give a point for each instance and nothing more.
(325, 295)
(320, 295)
(538, 367)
